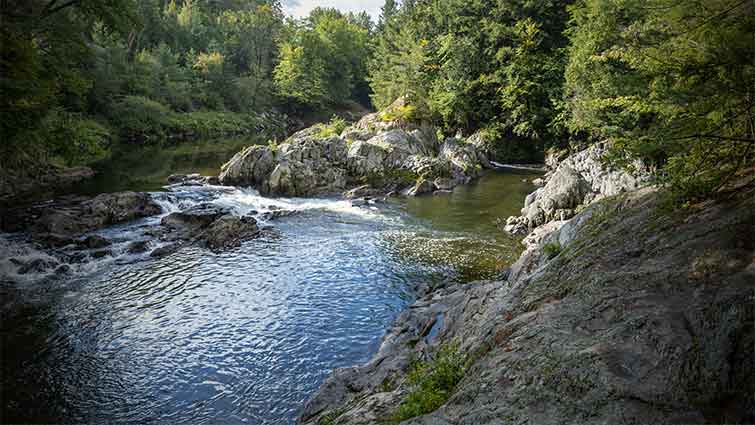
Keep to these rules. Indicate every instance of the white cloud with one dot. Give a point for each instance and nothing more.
(301, 8)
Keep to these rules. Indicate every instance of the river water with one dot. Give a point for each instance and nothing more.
(244, 336)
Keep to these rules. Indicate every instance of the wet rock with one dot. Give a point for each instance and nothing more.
(94, 242)
(75, 218)
(278, 213)
(211, 225)
(52, 240)
(165, 250)
(194, 218)
(102, 254)
(37, 265)
(229, 231)
(138, 247)
(63, 269)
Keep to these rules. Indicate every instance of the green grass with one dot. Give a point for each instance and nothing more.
(552, 249)
(432, 383)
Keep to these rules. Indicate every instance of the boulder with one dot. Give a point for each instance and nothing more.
(210, 225)
(195, 218)
(390, 155)
(249, 167)
(94, 242)
(230, 231)
(138, 247)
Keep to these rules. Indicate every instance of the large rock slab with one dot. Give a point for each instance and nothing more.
(591, 327)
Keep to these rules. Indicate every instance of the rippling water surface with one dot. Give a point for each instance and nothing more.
(244, 336)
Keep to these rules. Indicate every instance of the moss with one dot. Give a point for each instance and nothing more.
(432, 383)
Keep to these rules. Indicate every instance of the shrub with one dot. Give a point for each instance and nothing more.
(552, 249)
(74, 139)
(402, 114)
(335, 127)
(432, 383)
(138, 118)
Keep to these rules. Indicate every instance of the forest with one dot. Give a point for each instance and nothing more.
(669, 82)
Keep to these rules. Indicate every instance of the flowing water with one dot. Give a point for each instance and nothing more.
(244, 336)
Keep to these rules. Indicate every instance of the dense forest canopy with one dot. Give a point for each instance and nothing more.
(670, 82)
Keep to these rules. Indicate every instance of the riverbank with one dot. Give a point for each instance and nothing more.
(623, 312)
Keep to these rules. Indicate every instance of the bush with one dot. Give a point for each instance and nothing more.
(552, 249)
(432, 383)
(335, 127)
(140, 119)
(402, 114)
(74, 139)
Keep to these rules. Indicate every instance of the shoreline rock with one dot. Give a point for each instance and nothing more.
(573, 182)
(590, 326)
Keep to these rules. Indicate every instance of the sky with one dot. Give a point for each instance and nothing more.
(301, 8)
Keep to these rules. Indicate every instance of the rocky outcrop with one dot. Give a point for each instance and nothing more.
(574, 182)
(384, 155)
(591, 327)
(61, 222)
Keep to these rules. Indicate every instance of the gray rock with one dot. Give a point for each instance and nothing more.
(195, 218)
(165, 250)
(576, 181)
(656, 328)
(37, 265)
(76, 218)
(388, 155)
(94, 242)
(229, 231)
(138, 247)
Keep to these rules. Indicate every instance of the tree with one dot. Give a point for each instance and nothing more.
(670, 82)
(324, 61)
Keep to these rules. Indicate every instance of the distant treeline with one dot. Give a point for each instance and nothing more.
(670, 82)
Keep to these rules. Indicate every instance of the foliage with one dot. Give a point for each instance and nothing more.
(324, 62)
(432, 383)
(138, 118)
(473, 64)
(670, 82)
(75, 139)
(335, 127)
(399, 113)
(552, 249)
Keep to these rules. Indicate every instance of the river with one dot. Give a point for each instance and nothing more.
(244, 336)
